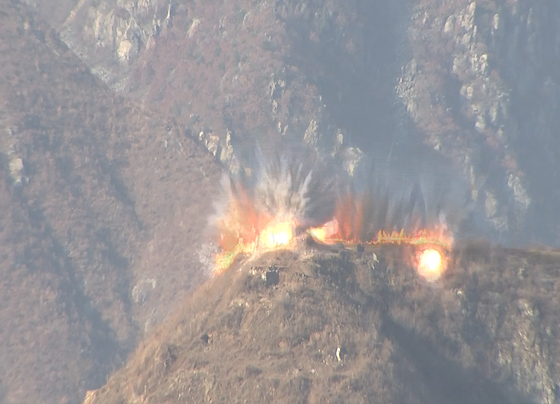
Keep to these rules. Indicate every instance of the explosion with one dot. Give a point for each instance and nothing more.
(277, 234)
(264, 212)
(291, 196)
(431, 264)
(328, 234)
(388, 205)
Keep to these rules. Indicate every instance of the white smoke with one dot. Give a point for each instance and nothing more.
(410, 197)
(293, 184)
(296, 184)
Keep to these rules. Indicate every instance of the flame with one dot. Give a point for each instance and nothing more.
(256, 212)
(421, 237)
(262, 217)
(326, 235)
(358, 220)
(354, 223)
(431, 264)
(278, 233)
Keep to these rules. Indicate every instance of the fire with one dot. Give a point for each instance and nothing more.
(278, 233)
(431, 264)
(356, 220)
(365, 218)
(260, 212)
(327, 235)
(422, 237)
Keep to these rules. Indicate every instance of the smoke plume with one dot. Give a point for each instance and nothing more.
(381, 196)
(296, 185)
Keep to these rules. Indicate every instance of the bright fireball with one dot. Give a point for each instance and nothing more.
(431, 264)
(277, 234)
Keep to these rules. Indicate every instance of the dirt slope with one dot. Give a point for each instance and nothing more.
(86, 184)
(344, 327)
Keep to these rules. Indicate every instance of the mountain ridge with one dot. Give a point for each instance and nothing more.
(341, 326)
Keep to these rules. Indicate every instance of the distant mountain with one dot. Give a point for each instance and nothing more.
(337, 326)
(478, 82)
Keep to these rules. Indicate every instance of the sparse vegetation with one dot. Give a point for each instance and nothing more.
(334, 329)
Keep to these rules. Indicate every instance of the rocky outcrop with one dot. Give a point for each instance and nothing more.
(481, 86)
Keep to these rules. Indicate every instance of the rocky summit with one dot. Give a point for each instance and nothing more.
(338, 325)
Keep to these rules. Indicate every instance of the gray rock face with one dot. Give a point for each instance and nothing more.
(111, 35)
(481, 87)
(477, 81)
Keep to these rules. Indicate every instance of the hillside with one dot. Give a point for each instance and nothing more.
(337, 326)
(116, 117)
(93, 248)
(476, 81)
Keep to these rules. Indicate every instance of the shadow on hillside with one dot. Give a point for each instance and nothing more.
(104, 349)
(357, 87)
(446, 380)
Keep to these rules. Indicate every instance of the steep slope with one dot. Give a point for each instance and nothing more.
(480, 83)
(93, 248)
(220, 69)
(476, 81)
(337, 326)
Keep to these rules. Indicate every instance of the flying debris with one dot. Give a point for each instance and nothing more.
(382, 204)
(267, 207)
(284, 196)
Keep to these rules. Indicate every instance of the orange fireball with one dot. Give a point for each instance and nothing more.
(431, 264)
(326, 233)
(277, 234)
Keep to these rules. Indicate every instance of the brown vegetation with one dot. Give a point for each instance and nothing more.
(97, 196)
(342, 326)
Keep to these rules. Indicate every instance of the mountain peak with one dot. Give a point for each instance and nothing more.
(337, 325)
